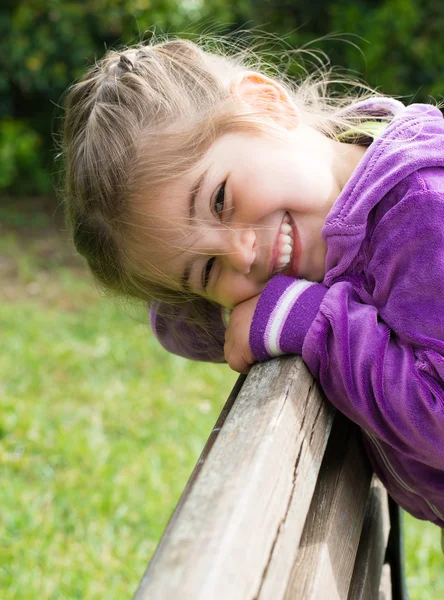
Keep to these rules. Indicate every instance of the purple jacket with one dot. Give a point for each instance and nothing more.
(372, 333)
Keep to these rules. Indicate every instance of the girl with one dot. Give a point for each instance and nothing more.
(195, 183)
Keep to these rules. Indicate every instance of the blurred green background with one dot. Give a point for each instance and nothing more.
(99, 427)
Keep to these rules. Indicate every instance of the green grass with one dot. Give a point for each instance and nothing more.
(424, 560)
(99, 431)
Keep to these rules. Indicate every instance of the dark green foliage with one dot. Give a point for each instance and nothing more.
(395, 45)
(44, 46)
(400, 42)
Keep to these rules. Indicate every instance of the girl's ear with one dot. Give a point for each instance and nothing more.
(266, 95)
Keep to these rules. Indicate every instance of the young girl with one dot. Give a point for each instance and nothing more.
(195, 183)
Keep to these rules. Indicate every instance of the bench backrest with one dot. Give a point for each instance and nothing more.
(281, 504)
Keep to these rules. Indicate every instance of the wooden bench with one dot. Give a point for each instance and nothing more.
(281, 504)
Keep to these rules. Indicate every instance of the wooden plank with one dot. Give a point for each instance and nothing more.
(371, 552)
(285, 550)
(324, 565)
(385, 587)
(265, 459)
(202, 458)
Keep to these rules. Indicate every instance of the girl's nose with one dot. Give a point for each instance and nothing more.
(241, 252)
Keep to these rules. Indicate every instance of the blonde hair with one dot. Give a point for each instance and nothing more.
(145, 115)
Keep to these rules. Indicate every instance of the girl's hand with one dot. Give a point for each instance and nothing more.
(237, 349)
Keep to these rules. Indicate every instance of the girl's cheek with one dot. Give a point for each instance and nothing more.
(231, 294)
(224, 295)
(224, 299)
(220, 294)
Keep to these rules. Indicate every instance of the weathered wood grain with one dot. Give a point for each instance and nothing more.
(324, 564)
(279, 505)
(249, 501)
(371, 552)
(385, 587)
(285, 550)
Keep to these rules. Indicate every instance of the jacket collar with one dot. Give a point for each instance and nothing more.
(414, 139)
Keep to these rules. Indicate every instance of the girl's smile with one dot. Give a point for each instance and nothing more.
(258, 209)
(287, 249)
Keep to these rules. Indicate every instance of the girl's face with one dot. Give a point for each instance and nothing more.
(259, 208)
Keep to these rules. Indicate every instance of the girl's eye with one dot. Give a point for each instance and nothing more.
(219, 200)
(207, 272)
(218, 207)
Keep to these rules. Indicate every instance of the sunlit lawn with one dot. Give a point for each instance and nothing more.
(99, 431)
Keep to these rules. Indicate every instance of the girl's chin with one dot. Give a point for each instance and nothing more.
(315, 275)
(314, 271)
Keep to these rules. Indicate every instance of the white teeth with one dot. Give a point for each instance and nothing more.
(285, 243)
(285, 239)
(282, 261)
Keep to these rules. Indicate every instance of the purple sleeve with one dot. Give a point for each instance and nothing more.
(192, 330)
(380, 361)
(283, 315)
(374, 377)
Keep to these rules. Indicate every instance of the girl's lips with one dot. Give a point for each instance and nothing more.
(293, 268)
